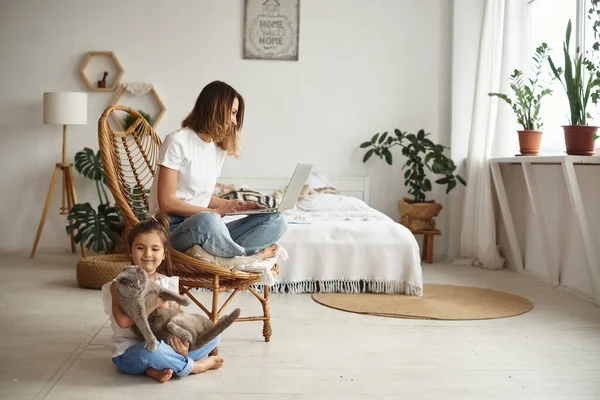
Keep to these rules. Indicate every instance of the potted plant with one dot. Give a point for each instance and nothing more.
(579, 136)
(100, 229)
(527, 102)
(130, 119)
(418, 213)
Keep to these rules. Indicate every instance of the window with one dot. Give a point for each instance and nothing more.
(548, 23)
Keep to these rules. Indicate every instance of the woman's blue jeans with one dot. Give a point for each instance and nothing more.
(242, 237)
(137, 359)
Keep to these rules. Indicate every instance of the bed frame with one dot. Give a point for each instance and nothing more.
(357, 186)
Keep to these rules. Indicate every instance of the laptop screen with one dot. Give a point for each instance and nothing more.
(295, 186)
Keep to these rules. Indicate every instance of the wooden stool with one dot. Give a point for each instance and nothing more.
(428, 235)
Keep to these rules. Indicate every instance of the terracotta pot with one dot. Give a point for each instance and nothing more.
(579, 139)
(101, 84)
(529, 142)
(418, 216)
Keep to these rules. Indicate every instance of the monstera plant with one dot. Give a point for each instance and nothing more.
(99, 229)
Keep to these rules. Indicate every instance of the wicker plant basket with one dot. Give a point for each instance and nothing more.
(418, 216)
(95, 271)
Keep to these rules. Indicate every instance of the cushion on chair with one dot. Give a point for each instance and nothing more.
(250, 195)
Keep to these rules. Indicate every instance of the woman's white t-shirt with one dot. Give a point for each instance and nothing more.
(123, 338)
(199, 165)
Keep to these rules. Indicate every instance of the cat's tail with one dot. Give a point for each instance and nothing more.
(217, 329)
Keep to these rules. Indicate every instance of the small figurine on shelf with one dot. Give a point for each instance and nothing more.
(102, 83)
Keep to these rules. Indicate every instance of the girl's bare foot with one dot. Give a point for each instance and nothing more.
(161, 375)
(268, 252)
(212, 362)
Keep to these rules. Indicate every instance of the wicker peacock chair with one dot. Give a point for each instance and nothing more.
(129, 160)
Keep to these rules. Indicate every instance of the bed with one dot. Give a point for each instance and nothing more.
(336, 242)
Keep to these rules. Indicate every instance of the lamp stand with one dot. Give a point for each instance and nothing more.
(69, 197)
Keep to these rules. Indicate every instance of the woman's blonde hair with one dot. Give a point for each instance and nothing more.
(212, 115)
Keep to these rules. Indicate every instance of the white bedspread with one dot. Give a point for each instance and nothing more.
(348, 251)
(338, 243)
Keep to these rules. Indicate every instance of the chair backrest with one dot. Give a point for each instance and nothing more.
(129, 160)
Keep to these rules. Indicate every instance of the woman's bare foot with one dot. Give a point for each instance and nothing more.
(212, 362)
(161, 375)
(268, 252)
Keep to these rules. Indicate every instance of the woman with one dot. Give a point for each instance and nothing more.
(190, 161)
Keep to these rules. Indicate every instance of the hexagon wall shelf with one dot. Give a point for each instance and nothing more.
(152, 92)
(116, 69)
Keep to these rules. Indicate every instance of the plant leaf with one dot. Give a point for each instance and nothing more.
(388, 156)
(382, 138)
(98, 230)
(89, 164)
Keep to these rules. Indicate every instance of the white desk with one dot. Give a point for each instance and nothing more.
(567, 163)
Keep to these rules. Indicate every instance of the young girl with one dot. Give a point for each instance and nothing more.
(190, 161)
(149, 246)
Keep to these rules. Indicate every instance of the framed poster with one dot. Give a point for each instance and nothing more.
(271, 29)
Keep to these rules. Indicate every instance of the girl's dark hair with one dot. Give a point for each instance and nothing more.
(212, 113)
(160, 224)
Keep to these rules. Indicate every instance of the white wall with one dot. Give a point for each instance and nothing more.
(567, 245)
(364, 67)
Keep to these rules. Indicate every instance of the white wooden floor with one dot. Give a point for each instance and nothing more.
(54, 345)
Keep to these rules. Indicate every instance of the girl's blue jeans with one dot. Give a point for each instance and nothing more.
(242, 237)
(137, 359)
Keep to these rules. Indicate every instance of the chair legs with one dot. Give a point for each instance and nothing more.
(215, 309)
(267, 313)
(215, 312)
(266, 318)
(215, 300)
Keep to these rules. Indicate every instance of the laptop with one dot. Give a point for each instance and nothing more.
(290, 196)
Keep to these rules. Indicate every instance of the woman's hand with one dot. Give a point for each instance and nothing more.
(230, 206)
(179, 346)
(252, 205)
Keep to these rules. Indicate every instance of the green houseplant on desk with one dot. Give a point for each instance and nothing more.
(580, 137)
(416, 213)
(527, 101)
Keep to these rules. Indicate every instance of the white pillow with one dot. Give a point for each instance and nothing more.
(317, 180)
(331, 202)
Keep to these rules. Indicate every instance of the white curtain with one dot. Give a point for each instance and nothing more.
(488, 126)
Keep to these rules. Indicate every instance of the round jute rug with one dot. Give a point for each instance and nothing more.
(442, 302)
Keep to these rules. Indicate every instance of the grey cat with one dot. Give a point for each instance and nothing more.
(136, 293)
(193, 328)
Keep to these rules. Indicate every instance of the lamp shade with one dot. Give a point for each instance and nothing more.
(66, 108)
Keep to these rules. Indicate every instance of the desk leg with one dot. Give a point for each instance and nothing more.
(506, 216)
(579, 213)
(536, 205)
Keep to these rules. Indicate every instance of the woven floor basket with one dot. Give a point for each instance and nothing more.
(95, 271)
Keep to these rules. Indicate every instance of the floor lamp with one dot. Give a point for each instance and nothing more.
(67, 108)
